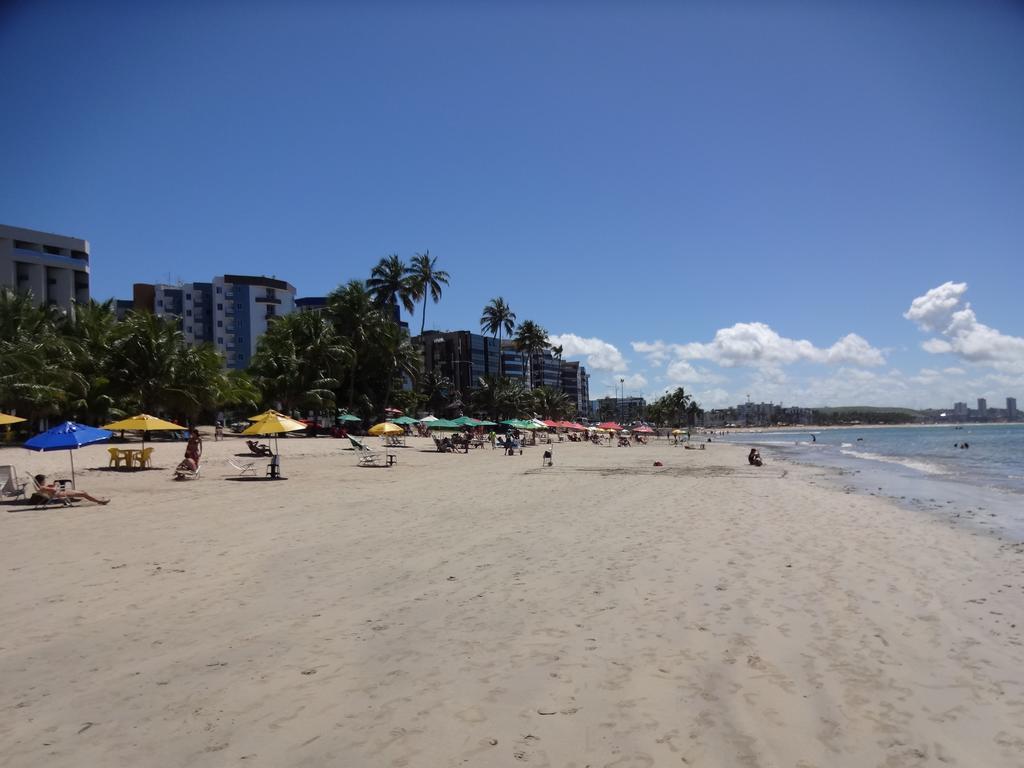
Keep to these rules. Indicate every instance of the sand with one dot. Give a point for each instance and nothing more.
(482, 610)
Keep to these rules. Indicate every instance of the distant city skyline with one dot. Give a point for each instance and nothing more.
(817, 205)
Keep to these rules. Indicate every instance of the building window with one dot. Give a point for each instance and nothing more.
(188, 313)
(220, 339)
(160, 302)
(189, 329)
(220, 323)
(188, 297)
(220, 307)
(218, 289)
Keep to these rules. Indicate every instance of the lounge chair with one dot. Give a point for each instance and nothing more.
(259, 449)
(185, 473)
(367, 456)
(10, 485)
(42, 499)
(248, 468)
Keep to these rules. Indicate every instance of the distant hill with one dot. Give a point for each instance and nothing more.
(866, 414)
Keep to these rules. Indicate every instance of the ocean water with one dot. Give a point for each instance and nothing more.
(922, 467)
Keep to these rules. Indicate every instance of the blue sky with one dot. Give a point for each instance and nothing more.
(707, 195)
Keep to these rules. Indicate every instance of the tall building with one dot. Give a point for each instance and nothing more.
(576, 385)
(53, 268)
(190, 303)
(514, 363)
(982, 408)
(462, 356)
(244, 306)
(1011, 409)
(960, 410)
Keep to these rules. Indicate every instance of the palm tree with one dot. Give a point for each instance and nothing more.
(300, 360)
(498, 316)
(531, 338)
(357, 320)
(500, 398)
(390, 284)
(551, 403)
(425, 278)
(557, 352)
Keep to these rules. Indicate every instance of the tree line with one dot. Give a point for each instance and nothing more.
(86, 365)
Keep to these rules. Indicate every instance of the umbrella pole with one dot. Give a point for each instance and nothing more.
(71, 454)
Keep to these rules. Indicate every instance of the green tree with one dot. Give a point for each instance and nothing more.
(552, 404)
(300, 360)
(532, 339)
(497, 317)
(390, 284)
(426, 280)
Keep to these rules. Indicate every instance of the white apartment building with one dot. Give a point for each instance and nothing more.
(53, 268)
(244, 306)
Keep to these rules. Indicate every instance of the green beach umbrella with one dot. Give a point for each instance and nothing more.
(404, 420)
(445, 424)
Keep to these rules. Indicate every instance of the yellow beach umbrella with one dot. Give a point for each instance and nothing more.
(268, 412)
(6, 419)
(273, 423)
(678, 432)
(386, 428)
(144, 423)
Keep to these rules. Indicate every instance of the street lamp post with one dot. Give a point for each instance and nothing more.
(622, 400)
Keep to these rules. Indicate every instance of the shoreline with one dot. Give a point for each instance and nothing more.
(602, 611)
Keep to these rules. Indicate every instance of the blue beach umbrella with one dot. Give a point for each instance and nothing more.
(67, 437)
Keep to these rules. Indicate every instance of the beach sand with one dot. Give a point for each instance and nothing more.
(482, 610)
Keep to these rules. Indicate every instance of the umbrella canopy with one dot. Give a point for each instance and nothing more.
(551, 423)
(466, 421)
(348, 417)
(486, 423)
(609, 425)
(394, 411)
(67, 437)
(6, 419)
(644, 430)
(678, 432)
(404, 420)
(273, 423)
(386, 428)
(143, 422)
(430, 418)
(445, 424)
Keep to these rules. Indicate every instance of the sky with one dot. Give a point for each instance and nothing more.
(807, 203)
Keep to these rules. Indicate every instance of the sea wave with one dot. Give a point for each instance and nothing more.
(920, 466)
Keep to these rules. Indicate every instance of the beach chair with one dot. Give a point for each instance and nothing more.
(184, 473)
(43, 499)
(367, 456)
(248, 468)
(10, 485)
(259, 449)
(548, 460)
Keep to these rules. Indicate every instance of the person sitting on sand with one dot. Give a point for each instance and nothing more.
(754, 458)
(51, 491)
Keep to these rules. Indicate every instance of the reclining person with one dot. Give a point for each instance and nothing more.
(49, 491)
(259, 449)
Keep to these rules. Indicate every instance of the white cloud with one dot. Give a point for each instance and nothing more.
(933, 310)
(960, 333)
(681, 372)
(601, 356)
(758, 345)
(632, 383)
